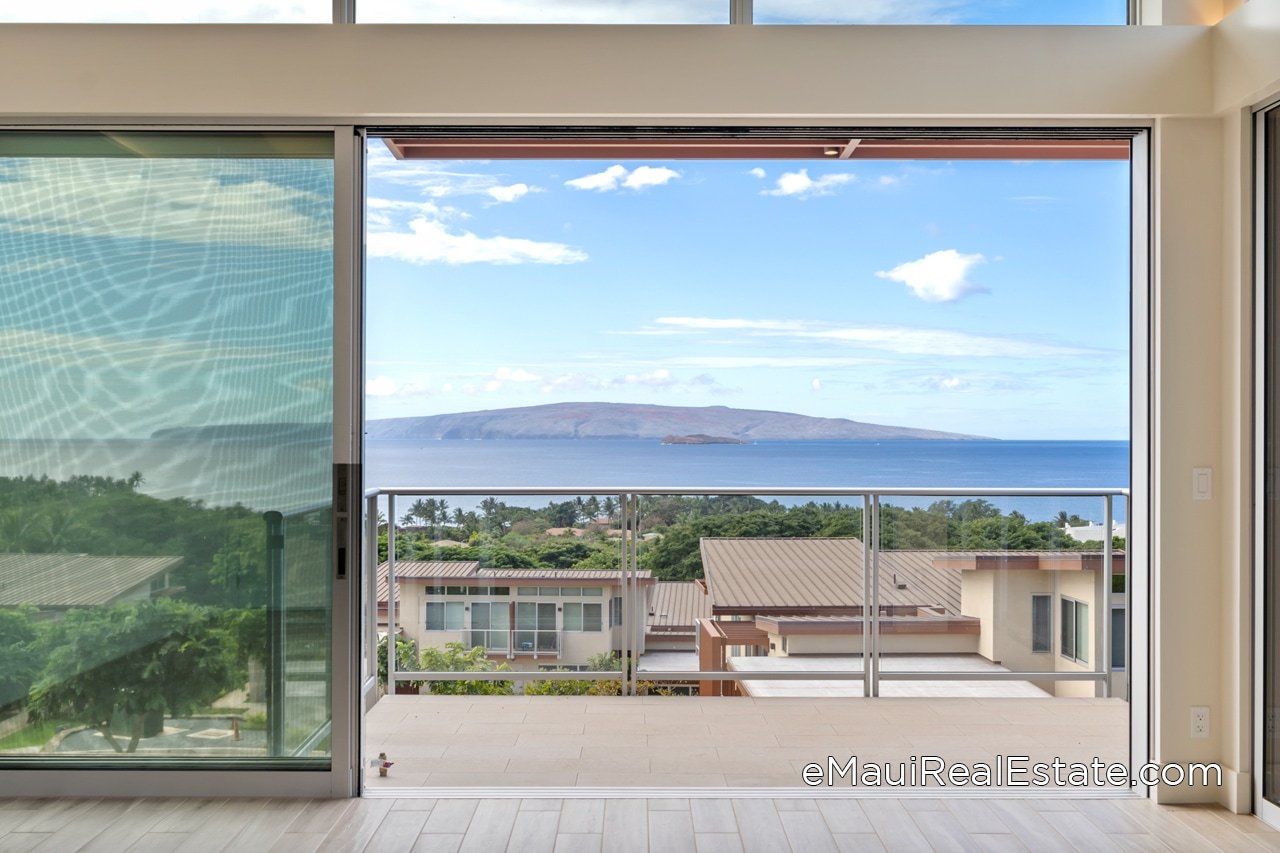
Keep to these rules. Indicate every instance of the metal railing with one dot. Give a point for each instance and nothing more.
(628, 501)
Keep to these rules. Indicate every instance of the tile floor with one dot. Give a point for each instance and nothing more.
(699, 742)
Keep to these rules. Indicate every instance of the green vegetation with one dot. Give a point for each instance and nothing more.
(35, 734)
(455, 658)
(122, 668)
(21, 656)
(157, 657)
(503, 536)
(407, 659)
(604, 662)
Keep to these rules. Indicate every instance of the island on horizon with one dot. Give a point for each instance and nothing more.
(642, 421)
(700, 438)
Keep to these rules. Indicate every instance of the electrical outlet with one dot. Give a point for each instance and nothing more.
(1199, 721)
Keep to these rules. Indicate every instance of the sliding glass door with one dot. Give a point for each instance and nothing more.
(166, 449)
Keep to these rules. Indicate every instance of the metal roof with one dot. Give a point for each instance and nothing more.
(470, 570)
(74, 580)
(425, 569)
(676, 605)
(796, 575)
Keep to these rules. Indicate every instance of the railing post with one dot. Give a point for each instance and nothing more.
(634, 625)
(391, 594)
(276, 628)
(1104, 584)
(624, 516)
(370, 586)
(866, 596)
(873, 595)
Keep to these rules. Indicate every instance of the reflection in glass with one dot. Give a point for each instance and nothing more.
(165, 445)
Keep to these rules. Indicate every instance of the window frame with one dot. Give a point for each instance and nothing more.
(1079, 613)
(1047, 597)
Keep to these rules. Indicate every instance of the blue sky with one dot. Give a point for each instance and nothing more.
(579, 11)
(977, 297)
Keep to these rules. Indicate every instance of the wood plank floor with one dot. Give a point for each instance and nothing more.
(658, 825)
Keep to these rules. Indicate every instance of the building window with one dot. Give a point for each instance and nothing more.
(1075, 630)
(582, 617)
(490, 624)
(536, 627)
(615, 611)
(445, 615)
(1117, 637)
(1042, 623)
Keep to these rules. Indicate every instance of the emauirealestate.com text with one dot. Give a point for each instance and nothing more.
(1006, 771)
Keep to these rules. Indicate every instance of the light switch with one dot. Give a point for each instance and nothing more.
(1201, 484)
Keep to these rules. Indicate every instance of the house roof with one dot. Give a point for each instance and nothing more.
(469, 570)
(808, 575)
(74, 580)
(676, 605)
(1047, 561)
(424, 569)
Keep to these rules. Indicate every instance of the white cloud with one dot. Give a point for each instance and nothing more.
(907, 340)
(757, 172)
(509, 193)
(902, 340)
(706, 323)
(732, 362)
(649, 176)
(800, 185)
(600, 181)
(382, 386)
(889, 180)
(506, 374)
(937, 277)
(618, 175)
(434, 179)
(659, 378)
(429, 241)
(199, 201)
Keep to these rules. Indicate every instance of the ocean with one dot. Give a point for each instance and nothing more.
(291, 476)
(878, 464)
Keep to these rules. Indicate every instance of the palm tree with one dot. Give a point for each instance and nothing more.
(442, 514)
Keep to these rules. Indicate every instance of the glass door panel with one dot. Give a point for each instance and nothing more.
(166, 354)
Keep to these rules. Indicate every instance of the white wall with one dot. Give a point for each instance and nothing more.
(1190, 82)
(398, 74)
